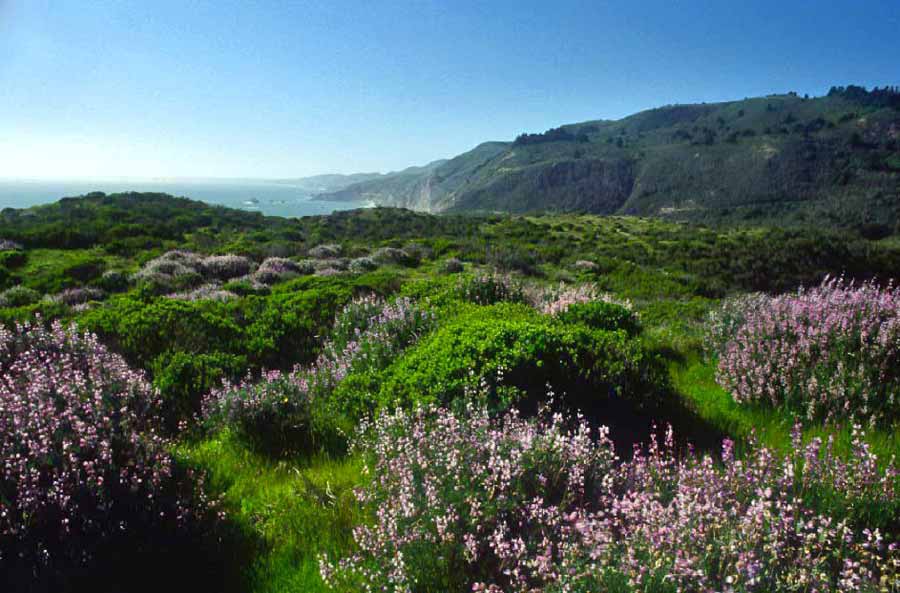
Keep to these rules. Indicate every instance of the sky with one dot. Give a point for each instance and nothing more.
(165, 88)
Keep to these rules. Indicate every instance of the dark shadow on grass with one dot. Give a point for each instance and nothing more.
(633, 420)
(209, 554)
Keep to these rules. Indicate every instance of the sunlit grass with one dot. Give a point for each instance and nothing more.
(298, 508)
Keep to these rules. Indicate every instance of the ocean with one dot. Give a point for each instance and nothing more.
(270, 198)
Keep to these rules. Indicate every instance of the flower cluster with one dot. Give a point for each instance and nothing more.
(278, 269)
(78, 296)
(469, 503)
(206, 292)
(829, 352)
(80, 458)
(180, 269)
(553, 300)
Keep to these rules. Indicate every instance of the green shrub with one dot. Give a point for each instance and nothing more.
(510, 352)
(602, 315)
(19, 296)
(113, 281)
(183, 378)
(12, 259)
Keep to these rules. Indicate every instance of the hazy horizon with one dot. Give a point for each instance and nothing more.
(128, 90)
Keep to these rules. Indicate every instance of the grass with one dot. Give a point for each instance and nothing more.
(297, 509)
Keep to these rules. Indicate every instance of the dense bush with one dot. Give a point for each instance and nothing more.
(206, 292)
(82, 460)
(363, 264)
(288, 413)
(453, 266)
(171, 271)
(603, 315)
(326, 251)
(466, 503)
(113, 281)
(18, 296)
(514, 353)
(183, 378)
(829, 352)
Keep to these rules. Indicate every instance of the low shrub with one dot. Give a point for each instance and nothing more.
(183, 379)
(246, 286)
(326, 251)
(225, 267)
(584, 265)
(171, 271)
(363, 264)
(9, 245)
(279, 269)
(453, 266)
(328, 272)
(206, 292)
(78, 296)
(392, 255)
(553, 300)
(19, 296)
(285, 414)
(113, 281)
(278, 414)
(603, 315)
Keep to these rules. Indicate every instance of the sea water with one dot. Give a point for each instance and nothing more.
(269, 197)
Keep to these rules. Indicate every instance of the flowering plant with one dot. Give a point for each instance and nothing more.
(470, 503)
(80, 456)
(832, 351)
(553, 300)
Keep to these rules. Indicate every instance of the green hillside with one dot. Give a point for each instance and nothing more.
(832, 160)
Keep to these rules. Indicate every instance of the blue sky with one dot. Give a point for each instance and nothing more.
(280, 89)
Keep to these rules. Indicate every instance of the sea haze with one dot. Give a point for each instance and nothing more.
(268, 197)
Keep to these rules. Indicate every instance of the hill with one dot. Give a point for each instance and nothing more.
(831, 160)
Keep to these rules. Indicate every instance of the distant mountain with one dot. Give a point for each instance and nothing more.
(832, 160)
(327, 183)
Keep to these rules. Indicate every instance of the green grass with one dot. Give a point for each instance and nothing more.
(297, 509)
(695, 382)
